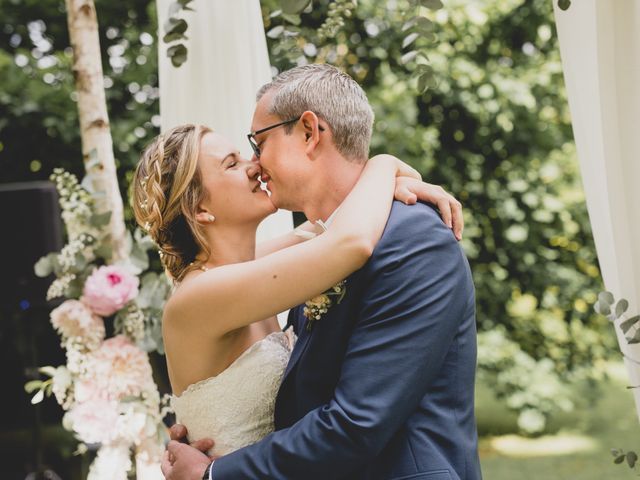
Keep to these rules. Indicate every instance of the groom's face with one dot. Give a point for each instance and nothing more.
(284, 163)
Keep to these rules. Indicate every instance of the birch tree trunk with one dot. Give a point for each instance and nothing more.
(97, 144)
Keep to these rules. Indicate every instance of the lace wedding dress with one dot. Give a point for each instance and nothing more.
(235, 408)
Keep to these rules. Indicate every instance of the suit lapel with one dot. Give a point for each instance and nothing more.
(301, 343)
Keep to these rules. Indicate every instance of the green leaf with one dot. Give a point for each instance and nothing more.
(635, 339)
(409, 39)
(615, 452)
(621, 307)
(293, 7)
(176, 29)
(172, 37)
(407, 57)
(432, 4)
(422, 83)
(177, 54)
(44, 266)
(602, 308)
(32, 386)
(275, 32)
(294, 19)
(632, 458)
(99, 220)
(606, 297)
(619, 459)
(409, 23)
(424, 25)
(628, 323)
(564, 4)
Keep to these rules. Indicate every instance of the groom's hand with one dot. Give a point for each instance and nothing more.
(179, 432)
(188, 462)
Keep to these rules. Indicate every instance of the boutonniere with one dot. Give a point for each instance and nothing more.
(318, 306)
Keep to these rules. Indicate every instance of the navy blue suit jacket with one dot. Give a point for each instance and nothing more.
(382, 387)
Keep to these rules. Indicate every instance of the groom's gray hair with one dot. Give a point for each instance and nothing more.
(332, 95)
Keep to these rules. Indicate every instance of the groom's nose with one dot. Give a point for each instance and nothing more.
(253, 170)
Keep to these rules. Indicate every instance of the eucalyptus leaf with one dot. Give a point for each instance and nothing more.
(293, 7)
(172, 37)
(275, 32)
(409, 39)
(621, 307)
(606, 297)
(615, 452)
(407, 57)
(632, 458)
(409, 23)
(619, 459)
(423, 83)
(99, 220)
(564, 4)
(628, 323)
(177, 54)
(424, 25)
(32, 386)
(294, 19)
(634, 339)
(602, 308)
(432, 4)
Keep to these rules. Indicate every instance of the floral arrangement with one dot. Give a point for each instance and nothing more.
(106, 387)
(318, 306)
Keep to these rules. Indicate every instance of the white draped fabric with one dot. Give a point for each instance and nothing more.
(600, 49)
(227, 63)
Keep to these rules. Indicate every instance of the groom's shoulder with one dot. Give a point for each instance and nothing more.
(411, 223)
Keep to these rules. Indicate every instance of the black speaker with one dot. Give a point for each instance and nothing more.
(31, 227)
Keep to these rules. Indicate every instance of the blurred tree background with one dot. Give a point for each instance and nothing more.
(493, 128)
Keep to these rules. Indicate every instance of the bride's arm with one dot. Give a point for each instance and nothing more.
(408, 190)
(230, 297)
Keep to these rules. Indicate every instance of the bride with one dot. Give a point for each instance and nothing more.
(201, 202)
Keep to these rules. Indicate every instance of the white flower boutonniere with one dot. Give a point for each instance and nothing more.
(318, 306)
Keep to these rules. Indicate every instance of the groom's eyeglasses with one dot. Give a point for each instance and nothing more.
(252, 140)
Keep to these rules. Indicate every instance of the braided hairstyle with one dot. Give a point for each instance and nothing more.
(166, 191)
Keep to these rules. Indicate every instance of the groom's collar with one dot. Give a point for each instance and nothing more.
(326, 224)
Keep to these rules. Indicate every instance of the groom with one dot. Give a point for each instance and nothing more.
(382, 385)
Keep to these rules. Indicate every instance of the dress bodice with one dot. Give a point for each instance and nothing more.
(235, 408)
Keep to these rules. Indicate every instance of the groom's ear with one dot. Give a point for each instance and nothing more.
(311, 128)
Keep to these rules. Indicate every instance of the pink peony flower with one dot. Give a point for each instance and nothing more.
(93, 421)
(109, 288)
(115, 370)
(73, 319)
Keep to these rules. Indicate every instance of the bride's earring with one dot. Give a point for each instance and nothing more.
(211, 218)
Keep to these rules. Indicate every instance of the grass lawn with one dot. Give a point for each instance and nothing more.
(580, 448)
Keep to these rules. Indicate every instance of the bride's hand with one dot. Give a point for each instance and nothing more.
(410, 190)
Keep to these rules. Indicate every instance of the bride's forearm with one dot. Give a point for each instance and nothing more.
(300, 234)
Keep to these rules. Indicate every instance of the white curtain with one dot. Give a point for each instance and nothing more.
(227, 63)
(600, 49)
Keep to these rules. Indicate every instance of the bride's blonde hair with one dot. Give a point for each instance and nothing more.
(166, 191)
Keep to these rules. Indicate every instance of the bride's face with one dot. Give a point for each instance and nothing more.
(233, 190)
